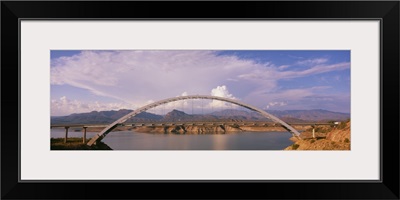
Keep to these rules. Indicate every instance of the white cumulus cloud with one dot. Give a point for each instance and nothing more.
(66, 106)
(140, 77)
(137, 76)
(221, 91)
(272, 104)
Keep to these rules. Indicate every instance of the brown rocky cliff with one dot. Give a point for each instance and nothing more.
(186, 129)
(336, 139)
(194, 129)
(340, 135)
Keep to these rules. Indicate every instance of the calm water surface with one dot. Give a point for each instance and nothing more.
(129, 140)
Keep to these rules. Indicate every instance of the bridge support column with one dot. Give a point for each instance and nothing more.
(66, 134)
(84, 135)
(313, 132)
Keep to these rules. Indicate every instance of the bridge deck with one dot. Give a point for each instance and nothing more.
(197, 123)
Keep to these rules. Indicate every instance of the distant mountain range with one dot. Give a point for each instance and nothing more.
(290, 116)
(311, 115)
(102, 117)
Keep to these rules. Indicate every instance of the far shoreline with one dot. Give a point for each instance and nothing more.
(193, 129)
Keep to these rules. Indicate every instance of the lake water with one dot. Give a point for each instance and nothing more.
(129, 140)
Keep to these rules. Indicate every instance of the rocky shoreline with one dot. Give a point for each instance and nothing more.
(197, 129)
(333, 138)
(194, 129)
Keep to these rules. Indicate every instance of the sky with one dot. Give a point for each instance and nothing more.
(93, 80)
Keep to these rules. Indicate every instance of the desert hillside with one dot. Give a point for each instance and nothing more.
(332, 138)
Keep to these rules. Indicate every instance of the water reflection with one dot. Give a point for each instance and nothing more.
(129, 140)
(219, 142)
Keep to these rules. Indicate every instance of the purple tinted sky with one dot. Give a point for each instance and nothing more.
(82, 81)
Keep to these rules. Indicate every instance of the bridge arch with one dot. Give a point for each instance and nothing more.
(121, 120)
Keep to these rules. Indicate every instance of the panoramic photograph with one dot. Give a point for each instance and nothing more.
(280, 100)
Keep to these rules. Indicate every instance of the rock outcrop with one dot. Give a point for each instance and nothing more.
(198, 129)
(340, 135)
(338, 138)
(190, 129)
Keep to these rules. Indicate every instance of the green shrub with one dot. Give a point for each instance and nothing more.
(342, 125)
(235, 126)
(347, 140)
(312, 141)
(320, 129)
(295, 146)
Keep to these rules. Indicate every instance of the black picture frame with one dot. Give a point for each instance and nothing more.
(386, 11)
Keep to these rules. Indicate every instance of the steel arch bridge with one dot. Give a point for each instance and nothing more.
(121, 120)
